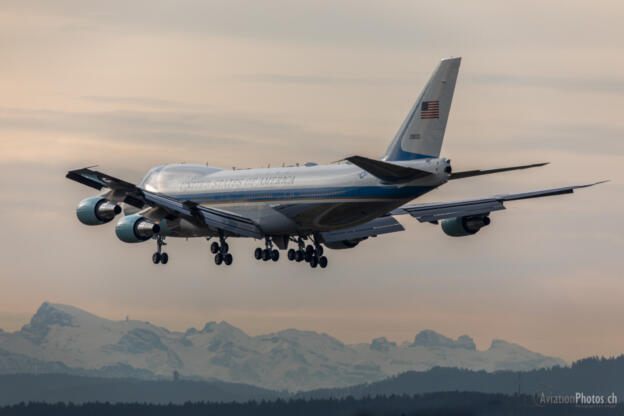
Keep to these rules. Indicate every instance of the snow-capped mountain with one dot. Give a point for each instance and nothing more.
(62, 338)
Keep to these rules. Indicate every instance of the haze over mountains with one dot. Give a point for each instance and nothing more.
(61, 338)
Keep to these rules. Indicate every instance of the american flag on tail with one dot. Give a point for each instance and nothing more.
(430, 109)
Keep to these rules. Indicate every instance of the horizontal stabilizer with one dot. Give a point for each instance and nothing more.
(478, 172)
(387, 172)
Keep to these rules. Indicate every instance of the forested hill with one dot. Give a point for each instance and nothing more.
(589, 375)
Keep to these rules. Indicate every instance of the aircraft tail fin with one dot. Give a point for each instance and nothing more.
(422, 131)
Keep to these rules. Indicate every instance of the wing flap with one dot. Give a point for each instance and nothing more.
(230, 222)
(381, 225)
(434, 212)
(215, 218)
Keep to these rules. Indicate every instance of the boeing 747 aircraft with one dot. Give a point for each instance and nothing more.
(308, 207)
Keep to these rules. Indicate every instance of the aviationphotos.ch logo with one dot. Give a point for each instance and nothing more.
(578, 399)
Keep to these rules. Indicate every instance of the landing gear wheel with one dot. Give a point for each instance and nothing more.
(218, 258)
(164, 258)
(309, 249)
(225, 248)
(300, 256)
(323, 262)
(266, 254)
(214, 247)
(258, 253)
(314, 262)
(292, 254)
(308, 256)
(319, 250)
(227, 259)
(156, 258)
(275, 255)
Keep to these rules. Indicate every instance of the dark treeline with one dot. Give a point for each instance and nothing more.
(449, 403)
(54, 388)
(590, 375)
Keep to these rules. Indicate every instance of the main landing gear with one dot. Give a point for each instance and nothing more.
(269, 253)
(220, 250)
(312, 254)
(159, 256)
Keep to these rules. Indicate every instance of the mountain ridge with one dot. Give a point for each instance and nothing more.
(289, 359)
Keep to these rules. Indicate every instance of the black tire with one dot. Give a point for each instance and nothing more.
(323, 262)
(309, 249)
(314, 262)
(227, 259)
(258, 253)
(225, 248)
(319, 250)
(266, 254)
(164, 258)
(299, 257)
(218, 258)
(292, 254)
(308, 256)
(214, 247)
(275, 255)
(156, 258)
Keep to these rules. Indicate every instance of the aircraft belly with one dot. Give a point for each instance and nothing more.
(269, 220)
(325, 215)
(333, 215)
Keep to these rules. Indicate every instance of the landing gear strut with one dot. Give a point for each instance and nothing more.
(268, 253)
(312, 254)
(159, 256)
(220, 250)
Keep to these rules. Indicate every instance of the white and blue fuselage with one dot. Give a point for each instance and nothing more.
(290, 200)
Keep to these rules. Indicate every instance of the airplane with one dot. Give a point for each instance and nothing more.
(313, 206)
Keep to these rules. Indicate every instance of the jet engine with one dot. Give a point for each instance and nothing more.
(462, 226)
(135, 228)
(339, 245)
(96, 210)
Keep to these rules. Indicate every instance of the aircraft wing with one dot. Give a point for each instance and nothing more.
(122, 191)
(431, 212)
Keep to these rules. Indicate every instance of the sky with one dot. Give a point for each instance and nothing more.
(130, 85)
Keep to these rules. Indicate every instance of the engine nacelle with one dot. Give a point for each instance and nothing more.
(339, 245)
(96, 210)
(135, 228)
(462, 226)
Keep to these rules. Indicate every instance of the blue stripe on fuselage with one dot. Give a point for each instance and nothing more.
(355, 192)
